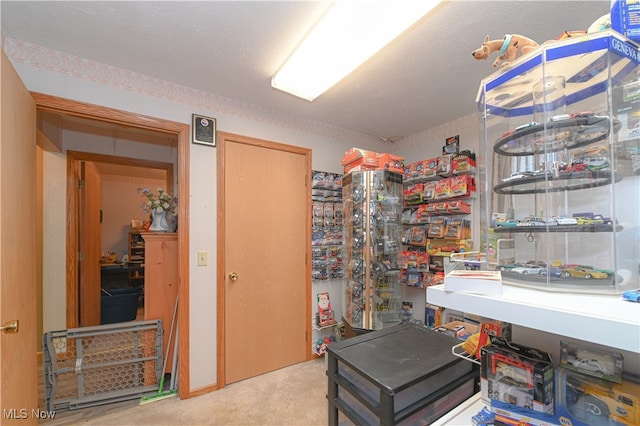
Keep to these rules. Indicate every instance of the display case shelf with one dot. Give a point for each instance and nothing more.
(613, 321)
(317, 327)
(564, 182)
(556, 135)
(592, 227)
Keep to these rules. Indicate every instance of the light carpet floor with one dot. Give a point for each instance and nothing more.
(295, 395)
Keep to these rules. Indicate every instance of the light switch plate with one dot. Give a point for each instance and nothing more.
(202, 258)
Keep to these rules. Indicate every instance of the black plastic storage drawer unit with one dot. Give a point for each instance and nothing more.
(404, 374)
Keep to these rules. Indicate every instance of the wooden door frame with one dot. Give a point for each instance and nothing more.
(74, 158)
(89, 272)
(182, 131)
(221, 278)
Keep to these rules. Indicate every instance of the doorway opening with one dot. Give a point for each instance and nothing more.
(111, 273)
(114, 119)
(109, 214)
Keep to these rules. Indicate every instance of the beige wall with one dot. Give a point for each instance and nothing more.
(54, 220)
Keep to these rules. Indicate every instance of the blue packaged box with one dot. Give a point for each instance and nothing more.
(625, 18)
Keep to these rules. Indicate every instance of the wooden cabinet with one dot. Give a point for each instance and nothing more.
(161, 283)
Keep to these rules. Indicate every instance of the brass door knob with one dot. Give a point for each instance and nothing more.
(233, 276)
(10, 327)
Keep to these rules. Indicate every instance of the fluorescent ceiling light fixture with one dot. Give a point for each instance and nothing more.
(350, 32)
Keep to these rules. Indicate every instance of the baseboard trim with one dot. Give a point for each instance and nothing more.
(204, 390)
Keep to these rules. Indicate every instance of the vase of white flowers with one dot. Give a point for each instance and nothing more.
(162, 207)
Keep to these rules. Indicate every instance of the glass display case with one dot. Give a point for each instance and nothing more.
(560, 166)
(372, 210)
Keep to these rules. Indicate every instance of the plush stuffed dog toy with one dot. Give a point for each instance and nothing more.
(507, 47)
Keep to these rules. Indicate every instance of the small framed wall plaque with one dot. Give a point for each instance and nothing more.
(203, 130)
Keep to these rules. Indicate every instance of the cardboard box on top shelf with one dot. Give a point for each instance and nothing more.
(357, 159)
(360, 157)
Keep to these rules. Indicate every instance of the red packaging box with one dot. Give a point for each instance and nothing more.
(359, 157)
(430, 168)
(390, 162)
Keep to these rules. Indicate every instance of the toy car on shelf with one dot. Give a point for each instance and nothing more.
(518, 175)
(595, 163)
(509, 266)
(507, 223)
(563, 117)
(529, 269)
(554, 271)
(606, 220)
(527, 125)
(589, 268)
(582, 272)
(632, 295)
(583, 114)
(532, 221)
(562, 220)
(584, 220)
(598, 218)
(574, 167)
(609, 272)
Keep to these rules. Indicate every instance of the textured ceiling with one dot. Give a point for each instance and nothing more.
(231, 48)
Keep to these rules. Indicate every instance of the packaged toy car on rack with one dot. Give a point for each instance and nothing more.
(436, 217)
(563, 166)
(327, 221)
(327, 251)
